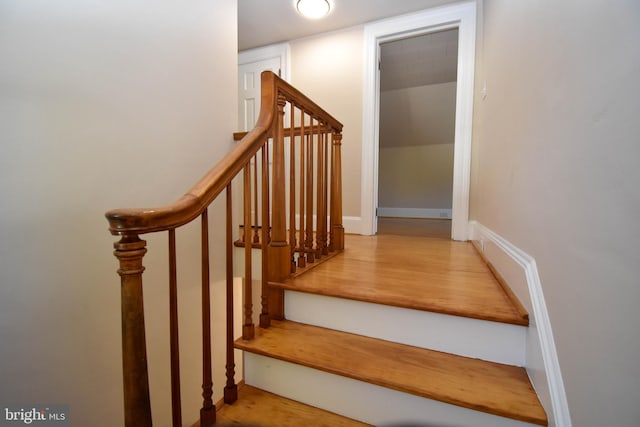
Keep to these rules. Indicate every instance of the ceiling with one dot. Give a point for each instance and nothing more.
(419, 61)
(264, 22)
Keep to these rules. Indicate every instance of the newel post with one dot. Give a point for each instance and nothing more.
(337, 229)
(279, 258)
(130, 250)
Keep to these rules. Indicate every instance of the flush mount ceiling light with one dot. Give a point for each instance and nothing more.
(313, 9)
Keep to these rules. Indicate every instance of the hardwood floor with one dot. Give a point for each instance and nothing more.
(258, 408)
(472, 383)
(431, 274)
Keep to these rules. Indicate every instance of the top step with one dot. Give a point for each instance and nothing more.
(428, 274)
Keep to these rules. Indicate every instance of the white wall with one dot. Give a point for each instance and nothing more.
(102, 105)
(555, 172)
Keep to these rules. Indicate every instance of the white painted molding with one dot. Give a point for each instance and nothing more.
(415, 213)
(557, 392)
(352, 224)
(461, 16)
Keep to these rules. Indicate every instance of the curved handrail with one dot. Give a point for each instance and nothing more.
(202, 194)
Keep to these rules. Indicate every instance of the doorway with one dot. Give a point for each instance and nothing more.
(251, 63)
(417, 132)
(461, 16)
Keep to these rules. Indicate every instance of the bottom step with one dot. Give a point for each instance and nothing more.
(258, 408)
(471, 383)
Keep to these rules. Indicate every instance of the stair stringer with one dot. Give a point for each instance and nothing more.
(480, 339)
(359, 400)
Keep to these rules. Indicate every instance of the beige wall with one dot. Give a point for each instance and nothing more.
(555, 172)
(102, 105)
(416, 177)
(417, 127)
(328, 69)
(418, 115)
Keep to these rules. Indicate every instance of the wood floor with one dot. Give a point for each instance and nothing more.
(258, 408)
(431, 274)
(472, 383)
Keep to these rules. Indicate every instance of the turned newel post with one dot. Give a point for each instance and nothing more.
(279, 258)
(130, 250)
(337, 230)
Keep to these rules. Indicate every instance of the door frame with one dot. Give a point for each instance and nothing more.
(463, 17)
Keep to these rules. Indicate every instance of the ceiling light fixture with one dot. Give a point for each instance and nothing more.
(313, 9)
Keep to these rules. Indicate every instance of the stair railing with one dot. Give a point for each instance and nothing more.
(291, 209)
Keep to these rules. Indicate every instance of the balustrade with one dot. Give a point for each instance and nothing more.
(291, 210)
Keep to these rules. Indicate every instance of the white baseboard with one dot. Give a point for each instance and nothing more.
(549, 385)
(415, 213)
(352, 224)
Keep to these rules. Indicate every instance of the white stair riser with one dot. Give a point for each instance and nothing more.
(493, 341)
(359, 400)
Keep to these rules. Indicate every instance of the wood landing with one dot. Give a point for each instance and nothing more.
(472, 383)
(422, 273)
(258, 408)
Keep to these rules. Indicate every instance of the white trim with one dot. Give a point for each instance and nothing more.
(280, 50)
(463, 17)
(415, 213)
(352, 224)
(557, 393)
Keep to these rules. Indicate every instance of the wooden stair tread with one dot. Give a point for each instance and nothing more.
(256, 407)
(429, 274)
(472, 383)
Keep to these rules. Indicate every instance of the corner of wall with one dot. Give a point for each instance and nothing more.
(521, 272)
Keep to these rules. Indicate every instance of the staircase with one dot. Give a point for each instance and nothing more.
(384, 330)
(399, 330)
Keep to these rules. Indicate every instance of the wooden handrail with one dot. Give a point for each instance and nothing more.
(201, 195)
(263, 192)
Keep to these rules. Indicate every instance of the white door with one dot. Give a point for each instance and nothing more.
(249, 89)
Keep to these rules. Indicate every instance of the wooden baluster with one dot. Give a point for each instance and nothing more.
(331, 200)
(337, 230)
(256, 235)
(248, 330)
(320, 193)
(292, 187)
(230, 389)
(278, 233)
(265, 318)
(302, 260)
(309, 208)
(266, 178)
(325, 189)
(176, 407)
(208, 411)
(279, 249)
(137, 408)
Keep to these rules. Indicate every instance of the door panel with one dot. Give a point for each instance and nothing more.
(249, 90)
